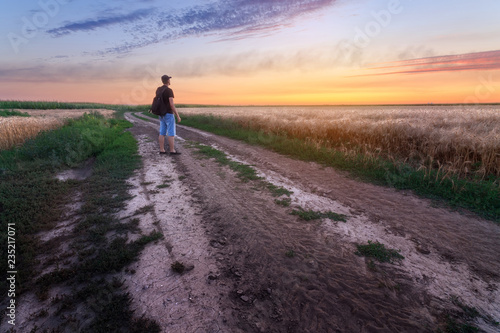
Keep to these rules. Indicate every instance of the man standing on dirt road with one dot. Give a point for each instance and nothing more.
(167, 122)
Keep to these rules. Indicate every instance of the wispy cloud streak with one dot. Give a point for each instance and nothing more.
(94, 24)
(225, 19)
(489, 60)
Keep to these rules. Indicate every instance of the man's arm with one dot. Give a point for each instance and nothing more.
(172, 106)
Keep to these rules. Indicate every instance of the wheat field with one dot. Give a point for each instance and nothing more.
(460, 140)
(15, 131)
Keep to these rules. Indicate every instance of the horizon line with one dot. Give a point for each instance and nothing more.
(186, 105)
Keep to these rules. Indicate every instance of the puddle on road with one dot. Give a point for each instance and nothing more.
(81, 173)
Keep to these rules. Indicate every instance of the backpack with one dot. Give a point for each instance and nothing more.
(158, 107)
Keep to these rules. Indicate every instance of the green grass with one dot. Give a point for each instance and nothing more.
(9, 113)
(149, 115)
(461, 321)
(278, 191)
(453, 326)
(111, 303)
(46, 105)
(114, 256)
(30, 196)
(309, 215)
(119, 108)
(479, 196)
(139, 117)
(285, 202)
(33, 199)
(244, 172)
(378, 251)
(467, 311)
(144, 210)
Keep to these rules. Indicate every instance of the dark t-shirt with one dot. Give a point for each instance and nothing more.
(166, 96)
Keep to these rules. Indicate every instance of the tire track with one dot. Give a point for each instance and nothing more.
(178, 302)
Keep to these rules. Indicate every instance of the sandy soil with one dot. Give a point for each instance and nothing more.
(236, 237)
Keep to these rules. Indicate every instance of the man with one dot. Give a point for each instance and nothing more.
(167, 122)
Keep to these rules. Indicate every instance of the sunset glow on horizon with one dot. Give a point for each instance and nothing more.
(262, 52)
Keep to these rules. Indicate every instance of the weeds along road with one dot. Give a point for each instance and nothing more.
(252, 266)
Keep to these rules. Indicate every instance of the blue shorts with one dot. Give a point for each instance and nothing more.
(167, 124)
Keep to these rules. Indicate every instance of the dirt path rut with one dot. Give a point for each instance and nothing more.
(259, 269)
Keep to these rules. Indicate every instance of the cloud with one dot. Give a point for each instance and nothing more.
(489, 60)
(244, 63)
(40, 73)
(240, 15)
(93, 24)
(225, 19)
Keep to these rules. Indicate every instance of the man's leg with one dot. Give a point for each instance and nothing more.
(171, 143)
(161, 140)
(163, 132)
(171, 131)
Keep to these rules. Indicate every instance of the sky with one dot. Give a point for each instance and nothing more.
(254, 52)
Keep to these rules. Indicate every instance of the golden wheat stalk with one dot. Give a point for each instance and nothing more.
(16, 130)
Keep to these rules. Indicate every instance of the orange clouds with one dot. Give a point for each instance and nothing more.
(462, 62)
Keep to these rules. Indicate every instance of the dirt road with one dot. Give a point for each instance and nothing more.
(254, 267)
